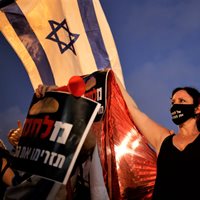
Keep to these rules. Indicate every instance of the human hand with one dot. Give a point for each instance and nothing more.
(42, 89)
(15, 134)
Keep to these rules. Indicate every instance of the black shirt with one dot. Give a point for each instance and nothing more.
(178, 172)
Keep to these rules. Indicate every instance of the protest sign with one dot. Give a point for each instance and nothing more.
(53, 133)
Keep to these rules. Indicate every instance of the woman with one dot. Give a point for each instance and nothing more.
(178, 163)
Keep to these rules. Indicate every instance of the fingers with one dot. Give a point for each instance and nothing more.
(15, 134)
(52, 88)
(42, 89)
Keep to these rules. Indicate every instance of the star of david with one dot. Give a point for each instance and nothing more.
(63, 46)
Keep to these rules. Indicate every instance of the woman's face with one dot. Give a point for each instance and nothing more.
(181, 97)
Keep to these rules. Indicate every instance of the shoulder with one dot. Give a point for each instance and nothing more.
(165, 139)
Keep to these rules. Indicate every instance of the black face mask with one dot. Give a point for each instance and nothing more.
(182, 112)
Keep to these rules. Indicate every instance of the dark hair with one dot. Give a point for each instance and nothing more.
(194, 93)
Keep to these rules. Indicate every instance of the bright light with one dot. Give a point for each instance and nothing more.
(124, 147)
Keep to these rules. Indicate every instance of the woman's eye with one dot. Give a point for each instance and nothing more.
(182, 101)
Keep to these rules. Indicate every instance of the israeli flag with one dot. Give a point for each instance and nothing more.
(56, 39)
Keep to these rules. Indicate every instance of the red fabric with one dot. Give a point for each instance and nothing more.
(129, 171)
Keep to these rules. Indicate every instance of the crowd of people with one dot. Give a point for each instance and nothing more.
(178, 154)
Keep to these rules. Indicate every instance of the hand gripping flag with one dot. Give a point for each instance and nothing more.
(57, 39)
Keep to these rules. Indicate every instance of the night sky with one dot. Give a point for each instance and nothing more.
(158, 44)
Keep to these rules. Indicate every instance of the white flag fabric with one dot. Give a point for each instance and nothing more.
(56, 39)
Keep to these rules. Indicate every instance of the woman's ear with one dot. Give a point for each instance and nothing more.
(197, 109)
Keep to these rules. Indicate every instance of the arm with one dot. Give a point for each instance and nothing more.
(8, 174)
(152, 131)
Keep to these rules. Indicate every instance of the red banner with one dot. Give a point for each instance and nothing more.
(128, 162)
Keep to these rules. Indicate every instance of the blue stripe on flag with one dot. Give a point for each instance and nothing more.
(30, 41)
(93, 33)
